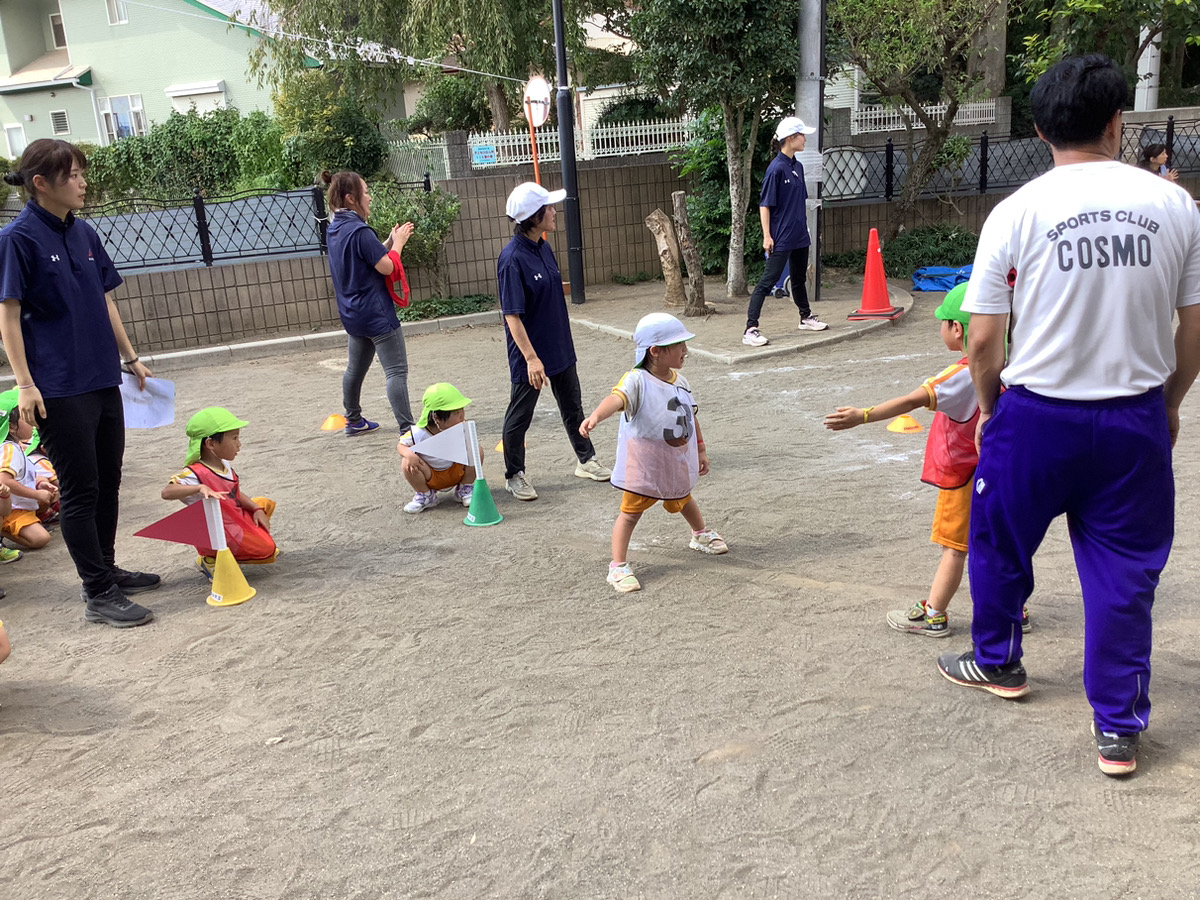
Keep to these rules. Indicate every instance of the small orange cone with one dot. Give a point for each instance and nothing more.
(336, 422)
(905, 425)
(875, 301)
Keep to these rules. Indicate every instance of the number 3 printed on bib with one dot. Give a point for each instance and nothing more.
(682, 432)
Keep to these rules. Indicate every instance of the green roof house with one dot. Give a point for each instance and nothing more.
(101, 70)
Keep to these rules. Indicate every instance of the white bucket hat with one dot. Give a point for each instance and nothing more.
(791, 125)
(528, 198)
(658, 330)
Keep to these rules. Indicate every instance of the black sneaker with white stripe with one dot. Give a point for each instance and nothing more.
(1004, 681)
(1118, 752)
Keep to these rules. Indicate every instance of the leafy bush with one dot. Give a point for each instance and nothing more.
(450, 102)
(433, 213)
(937, 245)
(324, 127)
(437, 307)
(637, 108)
(258, 145)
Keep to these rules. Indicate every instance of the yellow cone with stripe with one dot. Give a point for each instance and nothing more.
(229, 585)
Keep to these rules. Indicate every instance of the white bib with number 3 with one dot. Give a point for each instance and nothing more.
(656, 445)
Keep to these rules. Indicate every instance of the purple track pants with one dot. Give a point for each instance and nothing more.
(1107, 465)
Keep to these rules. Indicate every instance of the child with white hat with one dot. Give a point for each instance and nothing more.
(660, 449)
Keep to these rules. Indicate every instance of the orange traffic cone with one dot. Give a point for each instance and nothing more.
(875, 301)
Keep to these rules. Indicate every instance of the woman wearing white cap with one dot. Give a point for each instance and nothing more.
(782, 207)
(538, 335)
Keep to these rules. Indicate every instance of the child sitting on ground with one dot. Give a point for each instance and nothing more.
(443, 406)
(660, 449)
(950, 461)
(21, 525)
(47, 477)
(214, 439)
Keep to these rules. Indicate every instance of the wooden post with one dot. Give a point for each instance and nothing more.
(695, 297)
(660, 226)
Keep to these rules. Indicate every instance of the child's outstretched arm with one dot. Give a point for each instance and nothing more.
(176, 491)
(611, 404)
(850, 416)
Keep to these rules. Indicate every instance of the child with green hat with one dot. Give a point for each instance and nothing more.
(950, 460)
(20, 479)
(214, 439)
(443, 407)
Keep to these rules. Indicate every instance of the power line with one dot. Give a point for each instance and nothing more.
(368, 51)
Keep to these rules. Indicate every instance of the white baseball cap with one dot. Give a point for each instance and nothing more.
(528, 198)
(658, 330)
(791, 125)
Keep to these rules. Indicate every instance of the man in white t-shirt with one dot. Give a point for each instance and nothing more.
(1083, 269)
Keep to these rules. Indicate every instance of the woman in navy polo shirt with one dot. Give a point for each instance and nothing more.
(65, 342)
(359, 263)
(783, 209)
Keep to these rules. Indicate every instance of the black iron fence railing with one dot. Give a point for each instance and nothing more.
(142, 234)
(990, 165)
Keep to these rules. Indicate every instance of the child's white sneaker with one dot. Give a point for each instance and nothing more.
(708, 541)
(463, 492)
(754, 338)
(622, 579)
(421, 501)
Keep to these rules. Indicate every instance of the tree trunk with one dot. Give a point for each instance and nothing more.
(498, 101)
(738, 158)
(695, 296)
(660, 226)
(922, 169)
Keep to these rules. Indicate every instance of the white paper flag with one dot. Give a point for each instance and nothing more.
(152, 408)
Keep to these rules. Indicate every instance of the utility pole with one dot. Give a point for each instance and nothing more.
(566, 142)
(810, 106)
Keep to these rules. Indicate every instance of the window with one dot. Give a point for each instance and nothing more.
(59, 123)
(123, 116)
(60, 33)
(16, 139)
(118, 14)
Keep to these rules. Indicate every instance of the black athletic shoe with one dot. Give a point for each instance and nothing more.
(135, 582)
(1004, 681)
(1118, 752)
(115, 609)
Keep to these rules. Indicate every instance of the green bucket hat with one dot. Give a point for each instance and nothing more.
(951, 309)
(8, 402)
(205, 424)
(443, 397)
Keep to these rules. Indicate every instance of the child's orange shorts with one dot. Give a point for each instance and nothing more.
(952, 518)
(636, 503)
(18, 519)
(446, 478)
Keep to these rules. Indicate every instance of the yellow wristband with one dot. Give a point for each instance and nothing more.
(866, 414)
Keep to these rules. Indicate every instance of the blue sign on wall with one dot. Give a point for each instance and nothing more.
(484, 155)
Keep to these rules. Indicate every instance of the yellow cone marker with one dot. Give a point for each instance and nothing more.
(905, 425)
(229, 585)
(336, 422)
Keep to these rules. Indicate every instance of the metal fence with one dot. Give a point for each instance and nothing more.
(852, 173)
(415, 160)
(145, 234)
(492, 149)
(868, 119)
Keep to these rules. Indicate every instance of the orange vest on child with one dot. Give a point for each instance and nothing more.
(950, 453)
(246, 539)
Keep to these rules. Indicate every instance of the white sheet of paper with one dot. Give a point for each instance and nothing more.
(152, 408)
(450, 444)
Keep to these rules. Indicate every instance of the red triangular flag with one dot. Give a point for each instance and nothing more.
(187, 526)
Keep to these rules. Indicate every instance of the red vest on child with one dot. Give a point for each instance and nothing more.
(246, 539)
(950, 453)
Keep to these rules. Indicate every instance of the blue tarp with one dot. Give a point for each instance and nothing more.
(939, 278)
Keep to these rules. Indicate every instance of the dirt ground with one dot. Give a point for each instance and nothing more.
(414, 708)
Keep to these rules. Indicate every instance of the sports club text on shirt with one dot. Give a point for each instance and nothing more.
(1126, 248)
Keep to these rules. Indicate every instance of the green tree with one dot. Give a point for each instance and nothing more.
(915, 54)
(449, 102)
(325, 126)
(737, 56)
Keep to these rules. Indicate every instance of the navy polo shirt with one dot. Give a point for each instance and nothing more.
(784, 192)
(363, 300)
(59, 272)
(531, 287)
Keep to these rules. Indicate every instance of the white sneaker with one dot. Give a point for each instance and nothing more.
(622, 579)
(754, 338)
(520, 487)
(463, 493)
(593, 470)
(421, 501)
(812, 323)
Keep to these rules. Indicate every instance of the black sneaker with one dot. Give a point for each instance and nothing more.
(1003, 681)
(135, 582)
(115, 609)
(1118, 752)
